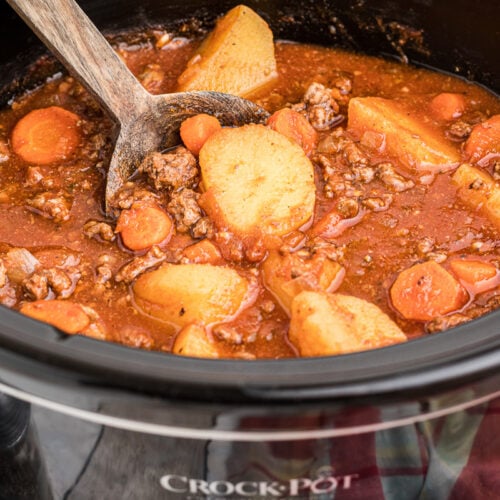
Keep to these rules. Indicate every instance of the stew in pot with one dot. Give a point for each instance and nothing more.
(364, 213)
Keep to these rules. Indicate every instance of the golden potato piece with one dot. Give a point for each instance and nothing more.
(478, 191)
(188, 293)
(257, 181)
(193, 341)
(326, 324)
(415, 144)
(288, 275)
(236, 58)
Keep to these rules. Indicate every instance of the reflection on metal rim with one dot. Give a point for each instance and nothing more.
(245, 436)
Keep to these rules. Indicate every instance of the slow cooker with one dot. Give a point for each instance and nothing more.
(83, 419)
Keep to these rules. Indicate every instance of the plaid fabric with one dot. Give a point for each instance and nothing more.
(456, 457)
(480, 478)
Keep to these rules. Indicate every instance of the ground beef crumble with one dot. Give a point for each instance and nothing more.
(137, 266)
(173, 170)
(55, 206)
(183, 206)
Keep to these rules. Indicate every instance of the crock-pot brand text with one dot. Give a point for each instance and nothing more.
(323, 483)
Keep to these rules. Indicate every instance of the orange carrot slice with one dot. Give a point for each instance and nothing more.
(472, 271)
(197, 129)
(483, 143)
(480, 276)
(63, 314)
(143, 226)
(295, 126)
(46, 135)
(426, 291)
(333, 224)
(202, 252)
(447, 106)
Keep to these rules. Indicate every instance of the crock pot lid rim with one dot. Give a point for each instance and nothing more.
(240, 435)
(469, 351)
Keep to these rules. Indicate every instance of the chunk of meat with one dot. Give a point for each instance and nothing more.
(322, 108)
(152, 77)
(20, 263)
(53, 206)
(183, 206)
(459, 130)
(452, 320)
(130, 193)
(203, 228)
(50, 283)
(393, 180)
(99, 230)
(137, 266)
(171, 171)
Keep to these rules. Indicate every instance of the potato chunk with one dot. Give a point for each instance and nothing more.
(193, 341)
(257, 181)
(326, 324)
(288, 275)
(415, 144)
(187, 293)
(236, 58)
(478, 191)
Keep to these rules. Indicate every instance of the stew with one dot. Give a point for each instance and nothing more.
(365, 212)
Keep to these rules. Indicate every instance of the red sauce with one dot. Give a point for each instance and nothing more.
(391, 231)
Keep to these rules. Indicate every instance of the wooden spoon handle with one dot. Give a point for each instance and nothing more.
(73, 38)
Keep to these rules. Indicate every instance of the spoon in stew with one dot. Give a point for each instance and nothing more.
(146, 122)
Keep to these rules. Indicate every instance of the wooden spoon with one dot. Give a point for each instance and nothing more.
(145, 122)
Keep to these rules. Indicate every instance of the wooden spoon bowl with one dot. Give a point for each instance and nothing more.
(145, 122)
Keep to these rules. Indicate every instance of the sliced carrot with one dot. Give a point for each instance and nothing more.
(333, 224)
(143, 226)
(328, 226)
(426, 291)
(483, 143)
(472, 271)
(480, 276)
(46, 135)
(447, 106)
(202, 252)
(295, 126)
(63, 314)
(197, 129)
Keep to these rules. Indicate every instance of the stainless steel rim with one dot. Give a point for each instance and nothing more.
(245, 436)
